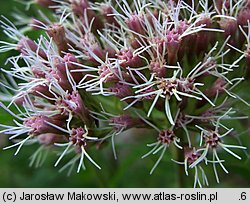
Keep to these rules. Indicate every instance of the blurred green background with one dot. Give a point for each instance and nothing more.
(128, 171)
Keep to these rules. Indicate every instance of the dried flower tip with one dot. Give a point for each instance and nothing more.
(166, 137)
(211, 138)
(57, 33)
(77, 137)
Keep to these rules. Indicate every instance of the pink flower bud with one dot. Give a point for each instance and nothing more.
(68, 57)
(44, 89)
(182, 27)
(80, 7)
(173, 45)
(20, 100)
(108, 75)
(230, 26)
(136, 23)
(185, 85)
(134, 42)
(71, 61)
(110, 51)
(39, 124)
(150, 18)
(206, 21)
(124, 122)
(73, 102)
(106, 10)
(128, 59)
(181, 120)
(121, 90)
(203, 37)
(168, 85)
(26, 44)
(243, 16)
(60, 74)
(222, 3)
(217, 87)
(48, 139)
(160, 43)
(89, 40)
(157, 67)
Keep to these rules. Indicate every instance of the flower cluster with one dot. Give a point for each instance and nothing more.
(170, 66)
